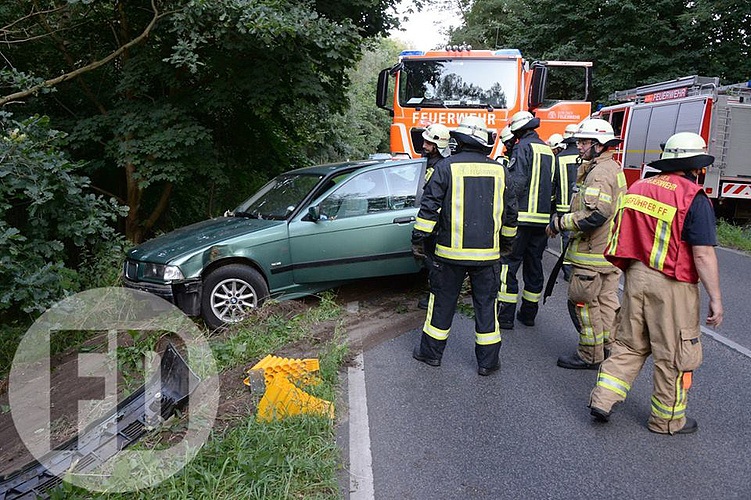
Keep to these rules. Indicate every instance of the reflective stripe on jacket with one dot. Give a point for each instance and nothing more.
(599, 191)
(467, 203)
(650, 224)
(565, 177)
(531, 169)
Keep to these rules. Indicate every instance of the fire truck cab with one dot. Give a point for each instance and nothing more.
(444, 86)
(647, 116)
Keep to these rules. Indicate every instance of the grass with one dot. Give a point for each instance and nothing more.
(292, 458)
(732, 236)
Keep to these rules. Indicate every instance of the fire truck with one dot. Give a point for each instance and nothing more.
(647, 116)
(443, 86)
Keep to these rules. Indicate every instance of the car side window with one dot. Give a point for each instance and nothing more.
(363, 194)
(403, 182)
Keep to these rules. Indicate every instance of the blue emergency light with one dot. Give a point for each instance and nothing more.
(508, 52)
(412, 53)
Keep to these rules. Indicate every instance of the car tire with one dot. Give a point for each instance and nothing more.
(229, 293)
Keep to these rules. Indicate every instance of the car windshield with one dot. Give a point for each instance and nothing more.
(277, 199)
(458, 83)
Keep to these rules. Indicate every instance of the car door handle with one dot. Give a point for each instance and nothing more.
(404, 220)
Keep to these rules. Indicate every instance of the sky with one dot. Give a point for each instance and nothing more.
(425, 30)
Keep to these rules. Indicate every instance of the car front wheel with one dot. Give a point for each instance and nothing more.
(230, 293)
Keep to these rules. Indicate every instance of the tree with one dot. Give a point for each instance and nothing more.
(52, 227)
(631, 42)
(162, 96)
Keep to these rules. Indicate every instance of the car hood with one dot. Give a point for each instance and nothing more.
(196, 237)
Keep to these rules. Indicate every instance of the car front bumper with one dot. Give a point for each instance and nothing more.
(185, 295)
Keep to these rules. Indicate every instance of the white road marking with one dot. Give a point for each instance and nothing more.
(705, 330)
(360, 459)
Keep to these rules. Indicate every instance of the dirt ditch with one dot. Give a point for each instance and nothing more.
(376, 311)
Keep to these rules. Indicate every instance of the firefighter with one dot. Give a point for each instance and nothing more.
(593, 289)
(435, 147)
(509, 141)
(470, 208)
(555, 142)
(663, 239)
(566, 164)
(531, 173)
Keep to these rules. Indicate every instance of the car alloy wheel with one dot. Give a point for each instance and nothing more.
(231, 299)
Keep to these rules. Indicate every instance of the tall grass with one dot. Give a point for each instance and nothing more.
(733, 236)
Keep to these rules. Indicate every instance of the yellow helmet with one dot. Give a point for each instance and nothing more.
(556, 141)
(437, 134)
(683, 151)
(474, 127)
(520, 120)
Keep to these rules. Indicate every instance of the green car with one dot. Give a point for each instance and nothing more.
(305, 231)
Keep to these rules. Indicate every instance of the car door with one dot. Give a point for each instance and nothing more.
(364, 229)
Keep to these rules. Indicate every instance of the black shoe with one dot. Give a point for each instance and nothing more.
(428, 361)
(600, 415)
(506, 325)
(481, 370)
(574, 362)
(690, 427)
(423, 303)
(525, 321)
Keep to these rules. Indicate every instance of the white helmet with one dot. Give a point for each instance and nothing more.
(571, 129)
(506, 134)
(437, 134)
(683, 151)
(598, 130)
(474, 127)
(519, 120)
(556, 141)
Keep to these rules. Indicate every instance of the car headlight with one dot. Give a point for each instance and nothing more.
(173, 273)
(162, 272)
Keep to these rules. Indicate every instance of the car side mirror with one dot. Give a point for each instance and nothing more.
(314, 213)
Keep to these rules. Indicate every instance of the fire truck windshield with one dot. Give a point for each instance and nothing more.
(465, 83)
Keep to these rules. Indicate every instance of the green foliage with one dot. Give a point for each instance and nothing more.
(363, 128)
(53, 229)
(733, 236)
(222, 94)
(631, 42)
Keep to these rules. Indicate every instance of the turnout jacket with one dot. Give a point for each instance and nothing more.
(564, 180)
(531, 169)
(469, 206)
(600, 188)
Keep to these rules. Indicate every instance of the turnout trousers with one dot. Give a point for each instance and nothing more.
(445, 285)
(529, 245)
(593, 305)
(659, 316)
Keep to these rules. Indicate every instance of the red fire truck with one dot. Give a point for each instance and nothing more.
(443, 86)
(647, 116)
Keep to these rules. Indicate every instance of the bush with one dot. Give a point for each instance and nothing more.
(56, 236)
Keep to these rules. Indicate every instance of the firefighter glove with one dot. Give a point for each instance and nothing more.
(418, 249)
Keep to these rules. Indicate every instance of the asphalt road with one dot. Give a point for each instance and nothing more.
(526, 432)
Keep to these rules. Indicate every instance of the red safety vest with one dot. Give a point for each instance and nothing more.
(649, 227)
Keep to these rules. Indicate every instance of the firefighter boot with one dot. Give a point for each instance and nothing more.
(429, 351)
(423, 302)
(527, 312)
(574, 362)
(506, 315)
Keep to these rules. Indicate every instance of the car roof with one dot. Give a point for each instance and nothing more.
(329, 168)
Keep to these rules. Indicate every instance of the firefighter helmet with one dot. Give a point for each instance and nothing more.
(597, 130)
(683, 151)
(474, 127)
(556, 141)
(523, 120)
(437, 134)
(571, 129)
(506, 134)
